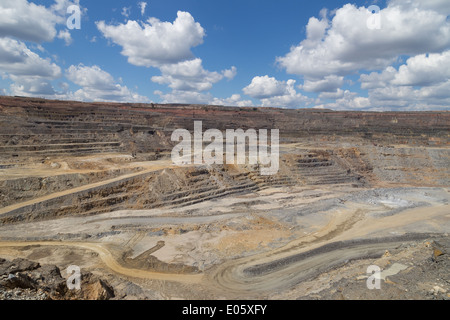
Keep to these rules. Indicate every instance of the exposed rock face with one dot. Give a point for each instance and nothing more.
(40, 128)
(345, 148)
(93, 185)
(22, 279)
(17, 265)
(92, 288)
(424, 277)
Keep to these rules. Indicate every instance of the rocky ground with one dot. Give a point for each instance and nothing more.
(21, 279)
(417, 270)
(412, 271)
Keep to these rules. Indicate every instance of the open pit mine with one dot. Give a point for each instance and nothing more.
(93, 207)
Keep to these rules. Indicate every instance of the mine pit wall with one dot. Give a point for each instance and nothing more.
(185, 186)
(36, 128)
(190, 185)
(353, 148)
(415, 166)
(24, 189)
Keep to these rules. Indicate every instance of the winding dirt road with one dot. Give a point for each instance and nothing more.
(158, 165)
(351, 234)
(109, 260)
(345, 238)
(280, 274)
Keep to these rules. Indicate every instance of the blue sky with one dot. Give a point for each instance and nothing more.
(289, 54)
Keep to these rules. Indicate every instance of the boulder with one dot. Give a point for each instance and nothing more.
(46, 282)
(17, 265)
(18, 280)
(438, 250)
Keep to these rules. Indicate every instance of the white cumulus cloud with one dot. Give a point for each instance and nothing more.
(423, 81)
(263, 87)
(65, 35)
(348, 101)
(184, 97)
(329, 84)
(424, 70)
(235, 101)
(30, 73)
(190, 76)
(99, 85)
(187, 76)
(274, 93)
(126, 11)
(142, 5)
(167, 46)
(27, 21)
(230, 73)
(16, 59)
(156, 43)
(347, 45)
